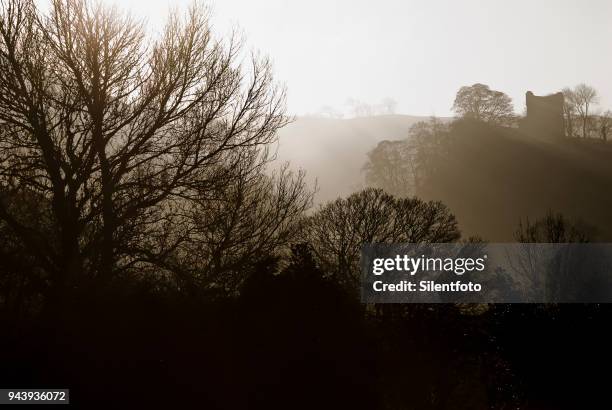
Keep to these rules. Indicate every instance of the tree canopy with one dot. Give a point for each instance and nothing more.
(339, 229)
(480, 103)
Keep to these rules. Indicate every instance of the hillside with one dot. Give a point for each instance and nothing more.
(494, 177)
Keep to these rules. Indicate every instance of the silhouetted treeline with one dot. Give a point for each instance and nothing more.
(298, 340)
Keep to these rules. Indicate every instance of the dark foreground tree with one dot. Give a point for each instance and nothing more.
(115, 131)
(339, 229)
(235, 226)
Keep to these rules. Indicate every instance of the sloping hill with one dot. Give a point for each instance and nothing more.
(494, 177)
(333, 151)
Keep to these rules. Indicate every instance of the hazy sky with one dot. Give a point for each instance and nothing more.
(417, 52)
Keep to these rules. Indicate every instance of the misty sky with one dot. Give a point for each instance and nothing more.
(417, 52)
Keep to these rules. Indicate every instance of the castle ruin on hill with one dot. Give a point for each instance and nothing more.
(544, 119)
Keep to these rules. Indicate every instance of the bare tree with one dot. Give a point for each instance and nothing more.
(553, 272)
(359, 108)
(339, 229)
(604, 125)
(569, 112)
(389, 105)
(480, 103)
(116, 130)
(552, 228)
(581, 99)
(252, 217)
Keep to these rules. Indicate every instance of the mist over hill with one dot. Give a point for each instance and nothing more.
(334, 151)
(495, 176)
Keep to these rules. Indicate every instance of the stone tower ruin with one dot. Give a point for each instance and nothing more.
(544, 118)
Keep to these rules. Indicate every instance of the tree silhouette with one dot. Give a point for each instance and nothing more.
(253, 217)
(480, 103)
(604, 125)
(580, 100)
(403, 167)
(338, 229)
(116, 131)
(552, 228)
(390, 167)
